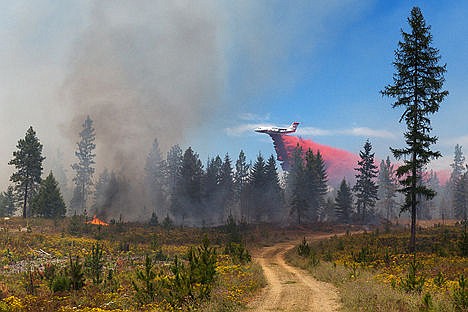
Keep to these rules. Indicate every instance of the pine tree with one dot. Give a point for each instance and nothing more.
(458, 169)
(28, 164)
(211, 188)
(155, 178)
(9, 201)
(273, 190)
(344, 203)
(189, 188)
(297, 186)
(48, 202)
(417, 87)
(240, 182)
(387, 188)
(365, 188)
(84, 167)
(100, 190)
(226, 186)
(320, 183)
(257, 183)
(174, 164)
(460, 197)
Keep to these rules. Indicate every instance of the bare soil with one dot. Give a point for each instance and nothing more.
(289, 288)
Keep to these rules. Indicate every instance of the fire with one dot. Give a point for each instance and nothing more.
(97, 221)
(340, 163)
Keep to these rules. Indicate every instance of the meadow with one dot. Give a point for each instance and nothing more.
(374, 271)
(67, 265)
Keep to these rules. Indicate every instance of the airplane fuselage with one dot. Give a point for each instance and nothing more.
(277, 130)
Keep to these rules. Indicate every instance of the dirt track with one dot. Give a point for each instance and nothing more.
(290, 288)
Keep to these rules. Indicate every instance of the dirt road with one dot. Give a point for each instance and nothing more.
(290, 288)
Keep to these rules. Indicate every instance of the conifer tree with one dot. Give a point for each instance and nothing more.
(101, 190)
(155, 177)
(417, 88)
(387, 188)
(48, 202)
(189, 188)
(344, 203)
(460, 197)
(28, 164)
(458, 169)
(299, 206)
(8, 202)
(273, 190)
(320, 185)
(174, 164)
(226, 186)
(365, 188)
(257, 183)
(84, 168)
(240, 182)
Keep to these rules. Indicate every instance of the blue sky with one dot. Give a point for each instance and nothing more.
(333, 80)
(204, 73)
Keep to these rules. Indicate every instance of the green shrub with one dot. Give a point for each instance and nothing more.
(60, 282)
(75, 273)
(238, 252)
(303, 249)
(110, 283)
(412, 282)
(460, 295)
(95, 264)
(145, 286)
(313, 259)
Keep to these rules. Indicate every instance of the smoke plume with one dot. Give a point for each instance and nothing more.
(142, 72)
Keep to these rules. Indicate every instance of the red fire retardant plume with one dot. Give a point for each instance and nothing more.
(340, 163)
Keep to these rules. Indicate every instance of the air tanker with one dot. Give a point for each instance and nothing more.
(276, 130)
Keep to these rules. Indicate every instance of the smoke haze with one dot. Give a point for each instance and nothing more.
(141, 70)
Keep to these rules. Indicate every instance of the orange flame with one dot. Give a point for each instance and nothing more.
(97, 221)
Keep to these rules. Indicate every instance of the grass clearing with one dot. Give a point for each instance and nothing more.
(36, 271)
(371, 270)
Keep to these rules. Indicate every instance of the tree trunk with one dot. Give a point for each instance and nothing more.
(413, 205)
(25, 202)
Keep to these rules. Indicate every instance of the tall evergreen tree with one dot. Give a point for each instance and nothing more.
(387, 189)
(365, 188)
(427, 207)
(460, 197)
(257, 196)
(417, 87)
(48, 202)
(9, 201)
(155, 178)
(101, 190)
(320, 183)
(273, 191)
(28, 164)
(240, 182)
(189, 188)
(458, 169)
(84, 168)
(174, 164)
(226, 186)
(344, 203)
(297, 187)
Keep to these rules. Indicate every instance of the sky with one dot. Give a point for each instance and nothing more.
(205, 73)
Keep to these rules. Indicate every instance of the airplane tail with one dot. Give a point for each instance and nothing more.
(294, 126)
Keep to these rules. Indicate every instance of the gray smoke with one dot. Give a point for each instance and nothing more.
(140, 72)
(144, 72)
